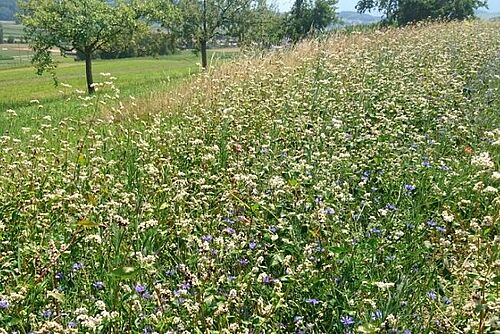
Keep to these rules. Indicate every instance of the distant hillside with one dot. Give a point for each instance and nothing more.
(8, 10)
(353, 18)
(484, 15)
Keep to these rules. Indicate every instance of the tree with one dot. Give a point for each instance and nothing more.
(1, 34)
(85, 26)
(259, 25)
(306, 16)
(201, 20)
(405, 11)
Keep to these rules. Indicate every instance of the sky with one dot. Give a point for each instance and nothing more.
(284, 5)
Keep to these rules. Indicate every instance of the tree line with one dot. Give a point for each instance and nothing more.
(114, 27)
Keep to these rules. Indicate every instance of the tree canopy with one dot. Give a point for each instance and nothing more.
(306, 16)
(84, 26)
(406, 11)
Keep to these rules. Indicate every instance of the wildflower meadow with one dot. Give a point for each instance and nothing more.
(349, 184)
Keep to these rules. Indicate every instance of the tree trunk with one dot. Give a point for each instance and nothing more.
(88, 73)
(203, 46)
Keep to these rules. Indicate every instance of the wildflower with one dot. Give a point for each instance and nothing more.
(329, 211)
(376, 315)
(4, 304)
(229, 230)
(432, 295)
(272, 229)
(77, 266)
(410, 188)
(446, 300)
(431, 223)
(440, 229)
(347, 320)
(47, 313)
(139, 288)
(312, 301)
(390, 206)
(252, 245)
(243, 262)
(72, 324)
(406, 331)
(98, 285)
(207, 238)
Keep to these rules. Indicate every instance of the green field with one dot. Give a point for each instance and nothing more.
(134, 76)
(11, 29)
(346, 185)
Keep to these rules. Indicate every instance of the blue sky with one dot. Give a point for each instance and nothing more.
(285, 5)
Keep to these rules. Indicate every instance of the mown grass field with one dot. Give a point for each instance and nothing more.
(349, 185)
(20, 86)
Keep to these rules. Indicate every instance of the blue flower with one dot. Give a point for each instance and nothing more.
(329, 211)
(207, 238)
(252, 245)
(243, 262)
(432, 295)
(440, 229)
(47, 313)
(4, 304)
(390, 206)
(407, 331)
(59, 276)
(377, 314)
(446, 300)
(410, 188)
(312, 301)
(72, 324)
(98, 285)
(431, 223)
(139, 288)
(77, 266)
(346, 320)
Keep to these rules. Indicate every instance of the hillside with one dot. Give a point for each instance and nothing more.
(355, 18)
(347, 184)
(8, 9)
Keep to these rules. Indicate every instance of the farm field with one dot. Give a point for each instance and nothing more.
(348, 185)
(20, 86)
(11, 29)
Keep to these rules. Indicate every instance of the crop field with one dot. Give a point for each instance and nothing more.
(11, 29)
(348, 185)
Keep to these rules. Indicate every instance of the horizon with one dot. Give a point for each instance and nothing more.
(349, 5)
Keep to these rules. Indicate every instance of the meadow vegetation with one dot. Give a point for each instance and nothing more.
(349, 185)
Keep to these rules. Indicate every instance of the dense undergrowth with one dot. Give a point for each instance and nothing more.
(347, 186)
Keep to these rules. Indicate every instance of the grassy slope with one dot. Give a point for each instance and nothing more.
(344, 185)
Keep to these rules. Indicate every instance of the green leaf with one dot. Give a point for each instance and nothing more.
(125, 272)
(87, 223)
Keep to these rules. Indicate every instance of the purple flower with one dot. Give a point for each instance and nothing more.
(407, 331)
(171, 272)
(207, 238)
(267, 279)
(426, 163)
(252, 245)
(440, 229)
(229, 230)
(376, 315)
(146, 295)
(346, 320)
(186, 286)
(431, 223)
(410, 188)
(59, 276)
(4, 304)
(446, 300)
(272, 229)
(231, 278)
(139, 288)
(375, 231)
(390, 206)
(312, 301)
(432, 295)
(77, 266)
(243, 262)
(47, 313)
(98, 285)
(228, 221)
(329, 211)
(72, 324)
